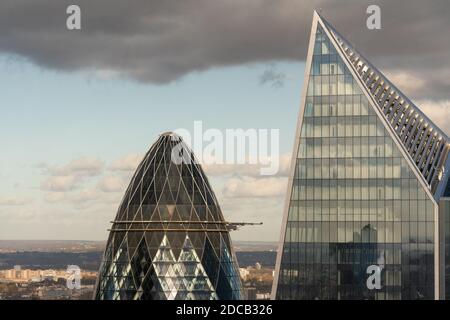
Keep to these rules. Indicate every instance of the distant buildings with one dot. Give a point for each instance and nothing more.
(169, 240)
(26, 284)
(257, 281)
(250, 293)
(25, 275)
(367, 213)
(244, 272)
(20, 275)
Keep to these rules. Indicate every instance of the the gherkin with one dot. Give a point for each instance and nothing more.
(169, 240)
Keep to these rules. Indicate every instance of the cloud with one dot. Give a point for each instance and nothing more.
(246, 181)
(70, 176)
(92, 197)
(285, 164)
(250, 187)
(15, 201)
(22, 214)
(81, 167)
(82, 182)
(59, 183)
(231, 169)
(438, 111)
(112, 184)
(54, 197)
(273, 77)
(406, 81)
(126, 163)
(86, 195)
(252, 170)
(162, 41)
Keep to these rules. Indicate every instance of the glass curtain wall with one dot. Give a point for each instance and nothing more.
(355, 202)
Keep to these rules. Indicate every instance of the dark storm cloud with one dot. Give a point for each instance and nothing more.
(159, 41)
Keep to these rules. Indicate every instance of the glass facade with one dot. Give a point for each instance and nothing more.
(444, 208)
(169, 240)
(355, 204)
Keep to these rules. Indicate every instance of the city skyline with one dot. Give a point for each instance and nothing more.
(70, 132)
(224, 150)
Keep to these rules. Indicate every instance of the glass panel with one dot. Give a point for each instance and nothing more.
(364, 205)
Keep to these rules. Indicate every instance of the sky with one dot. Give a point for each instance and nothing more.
(72, 141)
(80, 108)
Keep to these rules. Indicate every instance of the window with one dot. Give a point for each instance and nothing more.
(333, 68)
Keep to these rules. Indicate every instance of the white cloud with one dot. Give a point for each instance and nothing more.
(285, 164)
(250, 187)
(69, 176)
(93, 198)
(405, 80)
(438, 112)
(54, 197)
(14, 201)
(253, 170)
(23, 214)
(126, 163)
(59, 183)
(112, 184)
(82, 184)
(81, 167)
(83, 199)
(75, 190)
(228, 169)
(86, 195)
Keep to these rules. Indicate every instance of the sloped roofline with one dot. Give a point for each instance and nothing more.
(433, 180)
(433, 195)
(385, 79)
(318, 20)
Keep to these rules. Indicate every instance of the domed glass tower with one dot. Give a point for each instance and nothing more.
(169, 240)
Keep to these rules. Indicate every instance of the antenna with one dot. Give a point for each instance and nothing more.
(233, 226)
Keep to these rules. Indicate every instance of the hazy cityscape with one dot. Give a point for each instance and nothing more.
(37, 270)
(289, 150)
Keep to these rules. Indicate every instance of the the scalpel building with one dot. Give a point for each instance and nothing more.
(367, 209)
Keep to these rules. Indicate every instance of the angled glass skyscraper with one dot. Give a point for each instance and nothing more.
(367, 211)
(169, 240)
